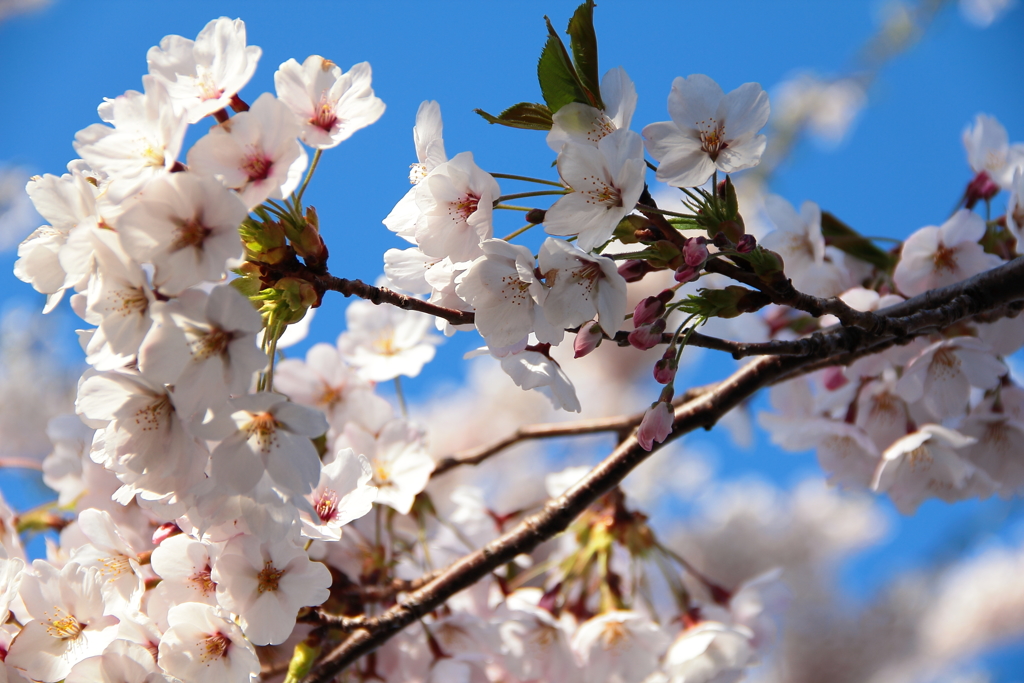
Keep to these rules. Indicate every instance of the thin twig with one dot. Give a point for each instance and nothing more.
(382, 295)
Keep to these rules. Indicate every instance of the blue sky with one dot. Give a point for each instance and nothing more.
(902, 167)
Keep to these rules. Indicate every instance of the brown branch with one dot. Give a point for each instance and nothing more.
(982, 293)
(382, 295)
(621, 424)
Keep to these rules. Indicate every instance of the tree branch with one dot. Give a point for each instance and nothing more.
(382, 295)
(983, 293)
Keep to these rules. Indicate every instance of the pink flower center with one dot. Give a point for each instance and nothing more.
(268, 578)
(214, 647)
(945, 259)
(327, 505)
(464, 207)
(257, 166)
(712, 137)
(190, 233)
(324, 117)
(212, 343)
(202, 581)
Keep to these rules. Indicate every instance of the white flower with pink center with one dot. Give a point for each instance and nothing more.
(203, 75)
(121, 662)
(929, 463)
(255, 152)
(183, 565)
(989, 150)
(709, 131)
(619, 646)
(331, 105)
(507, 295)
(427, 136)
(398, 459)
(938, 256)
(456, 202)
(185, 227)
(383, 342)
(64, 620)
(265, 584)
(203, 645)
(582, 124)
(605, 182)
(143, 144)
(943, 374)
(344, 493)
(580, 286)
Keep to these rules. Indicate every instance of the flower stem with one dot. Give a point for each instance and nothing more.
(309, 175)
(665, 212)
(518, 232)
(401, 396)
(520, 195)
(513, 208)
(528, 179)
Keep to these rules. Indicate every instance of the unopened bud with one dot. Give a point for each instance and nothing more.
(656, 425)
(587, 339)
(746, 244)
(665, 369)
(647, 336)
(535, 216)
(634, 271)
(165, 531)
(982, 188)
(648, 310)
(686, 274)
(695, 252)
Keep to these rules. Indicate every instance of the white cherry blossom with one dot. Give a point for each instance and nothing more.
(582, 124)
(255, 152)
(941, 376)
(533, 369)
(798, 239)
(507, 295)
(455, 200)
(203, 75)
(265, 584)
(121, 662)
(110, 553)
(383, 342)
(605, 183)
(998, 449)
(580, 286)
(183, 565)
(343, 494)
(143, 144)
(203, 645)
(938, 256)
(331, 105)
(398, 460)
(186, 228)
(989, 150)
(709, 131)
(427, 136)
(710, 652)
(619, 647)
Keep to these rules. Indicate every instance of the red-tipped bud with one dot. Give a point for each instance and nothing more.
(686, 274)
(982, 188)
(633, 271)
(656, 425)
(695, 252)
(587, 339)
(647, 336)
(665, 369)
(648, 310)
(165, 531)
(746, 244)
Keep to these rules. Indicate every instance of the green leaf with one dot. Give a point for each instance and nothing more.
(848, 240)
(583, 41)
(522, 115)
(559, 82)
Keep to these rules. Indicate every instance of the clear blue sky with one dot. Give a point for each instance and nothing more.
(903, 166)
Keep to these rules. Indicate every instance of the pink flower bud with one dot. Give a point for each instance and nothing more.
(647, 336)
(695, 252)
(686, 274)
(656, 425)
(634, 271)
(835, 378)
(980, 189)
(665, 369)
(647, 311)
(587, 339)
(746, 244)
(165, 531)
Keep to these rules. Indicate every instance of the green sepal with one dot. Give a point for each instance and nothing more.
(583, 41)
(559, 82)
(841, 236)
(724, 303)
(523, 115)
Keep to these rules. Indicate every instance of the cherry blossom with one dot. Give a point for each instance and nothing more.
(938, 256)
(534, 369)
(619, 646)
(798, 239)
(255, 152)
(507, 295)
(456, 202)
(942, 374)
(582, 124)
(330, 104)
(186, 228)
(656, 425)
(266, 584)
(605, 183)
(121, 662)
(344, 493)
(398, 460)
(709, 131)
(710, 652)
(989, 150)
(204, 645)
(383, 342)
(203, 75)
(427, 136)
(580, 286)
